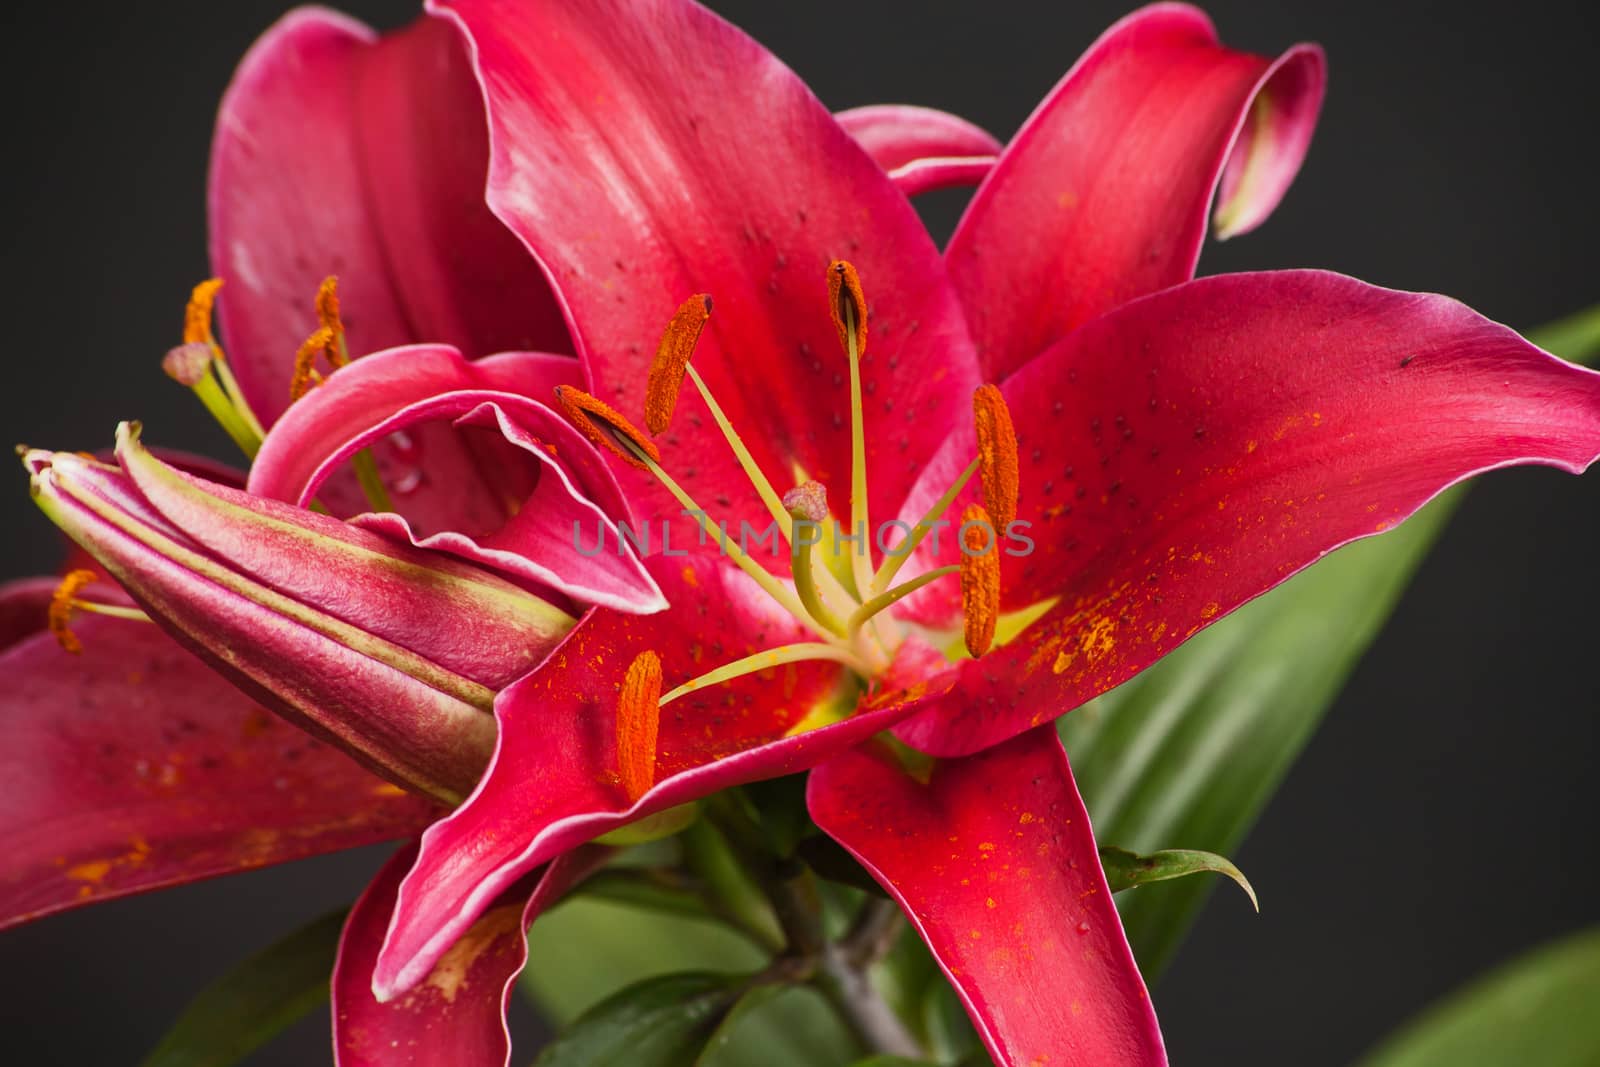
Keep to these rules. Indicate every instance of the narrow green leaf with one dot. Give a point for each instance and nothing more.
(1191, 750)
(254, 1001)
(1539, 1009)
(660, 1022)
(1125, 869)
(585, 950)
(889, 1061)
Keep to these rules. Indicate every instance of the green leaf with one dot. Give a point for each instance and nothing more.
(889, 1061)
(1125, 869)
(1539, 1009)
(1191, 750)
(748, 1005)
(584, 950)
(255, 1000)
(651, 888)
(660, 1022)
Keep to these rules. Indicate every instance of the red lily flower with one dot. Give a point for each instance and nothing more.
(1180, 447)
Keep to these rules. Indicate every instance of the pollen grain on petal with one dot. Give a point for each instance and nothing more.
(980, 579)
(62, 603)
(638, 722)
(997, 454)
(605, 426)
(847, 302)
(672, 360)
(197, 315)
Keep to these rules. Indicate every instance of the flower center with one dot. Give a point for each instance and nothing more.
(845, 607)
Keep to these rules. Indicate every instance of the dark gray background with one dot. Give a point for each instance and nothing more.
(1444, 818)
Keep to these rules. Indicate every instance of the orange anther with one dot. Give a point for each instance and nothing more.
(62, 602)
(672, 359)
(980, 579)
(638, 722)
(847, 304)
(604, 425)
(997, 454)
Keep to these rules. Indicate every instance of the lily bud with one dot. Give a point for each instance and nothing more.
(393, 653)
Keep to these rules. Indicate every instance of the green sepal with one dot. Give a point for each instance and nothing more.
(1125, 870)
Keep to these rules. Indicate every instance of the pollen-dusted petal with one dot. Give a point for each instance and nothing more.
(62, 602)
(584, 410)
(638, 721)
(980, 578)
(305, 372)
(845, 297)
(328, 317)
(672, 359)
(188, 363)
(809, 499)
(197, 316)
(997, 454)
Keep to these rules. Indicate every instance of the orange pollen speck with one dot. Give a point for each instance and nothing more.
(845, 285)
(638, 721)
(672, 359)
(997, 454)
(62, 602)
(603, 424)
(197, 316)
(305, 371)
(328, 317)
(980, 579)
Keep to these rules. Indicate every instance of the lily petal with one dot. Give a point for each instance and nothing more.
(372, 390)
(458, 1014)
(920, 148)
(555, 783)
(1102, 195)
(340, 152)
(544, 541)
(134, 766)
(994, 862)
(640, 173)
(1191, 450)
(23, 603)
(517, 490)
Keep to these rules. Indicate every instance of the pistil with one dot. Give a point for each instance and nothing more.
(200, 364)
(807, 505)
